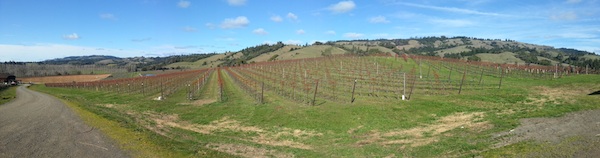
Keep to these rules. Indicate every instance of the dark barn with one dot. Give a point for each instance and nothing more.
(7, 78)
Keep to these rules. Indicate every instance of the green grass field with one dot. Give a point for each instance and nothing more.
(448, 125)
(7, 94)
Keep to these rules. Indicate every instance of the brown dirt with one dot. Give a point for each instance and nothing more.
(584, 124)
(64, 79)
(416, 136)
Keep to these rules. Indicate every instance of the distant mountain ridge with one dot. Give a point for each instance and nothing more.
(466, 48)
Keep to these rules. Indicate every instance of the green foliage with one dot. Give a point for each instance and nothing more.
(273, 57)
(252, 52)
(473, 58)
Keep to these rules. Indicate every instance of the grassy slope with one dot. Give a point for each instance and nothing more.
(506, 57)
(309, 52)
(458, 49)
(350, 130)
(7, 94)
(279, 52)
(211, 61)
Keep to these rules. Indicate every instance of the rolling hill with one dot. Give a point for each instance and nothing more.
(465, 48)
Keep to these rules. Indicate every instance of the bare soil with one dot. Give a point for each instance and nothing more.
(584, 126)
(64, 79)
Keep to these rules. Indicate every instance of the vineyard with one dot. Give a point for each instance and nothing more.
(339, 79)
(339, 106)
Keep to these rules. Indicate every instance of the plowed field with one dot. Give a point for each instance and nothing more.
(64, 79)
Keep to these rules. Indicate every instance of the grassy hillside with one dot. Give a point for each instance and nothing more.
(311, 52)
(490, 50)
(210, 62)
(506, 57)
(275, 54)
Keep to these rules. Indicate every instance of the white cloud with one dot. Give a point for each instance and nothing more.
(294, 42)
(342, 7)
(108, 16)
(379, 19)
(43, 51)
(382, 35)
(300, 32)
(292, 16)
(141, 39)
(573, 1)
(269, 42)
(236, 2)
(564, 16)
(229, 39)
(73, 36)
(330, 32)
(239, 22)
(189, 29)
(452, 22)
(184, 4)
(276, 18)
(210, 25)
(353, 35)
(260, 31)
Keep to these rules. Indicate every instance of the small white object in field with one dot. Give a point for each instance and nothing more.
(403, 97)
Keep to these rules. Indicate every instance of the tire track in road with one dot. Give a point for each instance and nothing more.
(39, 125)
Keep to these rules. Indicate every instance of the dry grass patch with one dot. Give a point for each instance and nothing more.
(247, 151)
(272, 137)
(545, 95)
(199, 102)
(424, 135)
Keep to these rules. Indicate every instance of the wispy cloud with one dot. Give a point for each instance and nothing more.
(184, 4)
(141, 39)
(564, 16)
(294, 42)
(276, 18)
(353, 35)
(108, 16)
(72, 36)
(260, 31)
(44, 51)
(378, 19)
(236, 2)
(292, 16)
(300, 32)
(452, 22)
(189, 29)
(239, 22)
(210, 25)
(573, 1)
(330, 32)
(451, 9)
(342, 7)
(185, 47)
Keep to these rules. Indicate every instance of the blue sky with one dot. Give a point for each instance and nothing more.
(35, 30)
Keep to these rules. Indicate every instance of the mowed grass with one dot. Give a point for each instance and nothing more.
(7, 94)
(426, 126)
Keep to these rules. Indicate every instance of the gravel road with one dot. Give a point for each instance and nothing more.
(39, 125)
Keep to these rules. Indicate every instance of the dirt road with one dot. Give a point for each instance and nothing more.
(39, 125)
